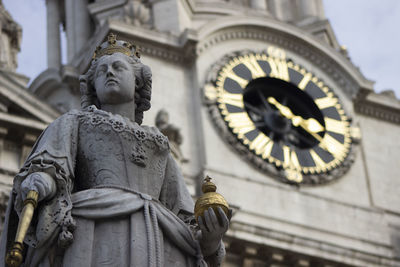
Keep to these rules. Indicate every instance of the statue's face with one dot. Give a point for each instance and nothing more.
(114, 79)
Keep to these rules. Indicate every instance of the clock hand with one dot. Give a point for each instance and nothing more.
(253, 108)
(285, 111)
(265, 103)
(311, 125)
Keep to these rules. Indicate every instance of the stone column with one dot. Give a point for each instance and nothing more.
(53, 34)
(281, 9)
(3, 133)
(78, 26)
(260, 5)
(69, 29)
(82, 22)
(310, 8)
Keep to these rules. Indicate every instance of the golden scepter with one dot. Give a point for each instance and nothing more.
(14, 256)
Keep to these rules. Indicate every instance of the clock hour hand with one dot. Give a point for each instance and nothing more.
(311, 125)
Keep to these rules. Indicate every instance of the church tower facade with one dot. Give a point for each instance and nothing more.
(270, 106)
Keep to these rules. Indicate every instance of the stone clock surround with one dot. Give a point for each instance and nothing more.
(249, 156)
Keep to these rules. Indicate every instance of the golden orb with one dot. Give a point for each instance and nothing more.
(210, 199)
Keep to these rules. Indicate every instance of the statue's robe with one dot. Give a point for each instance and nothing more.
(120, 200)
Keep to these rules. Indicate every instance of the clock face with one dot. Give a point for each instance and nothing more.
(282, 114)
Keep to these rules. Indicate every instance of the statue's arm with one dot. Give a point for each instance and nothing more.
(49, 170)
(209, 231)
(52, 159)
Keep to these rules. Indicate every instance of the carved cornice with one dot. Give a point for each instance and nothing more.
(10, 173)
(369, 103)
(17, 94)
(338, 255)
(176, 49)
(22, 122)
(345, 82)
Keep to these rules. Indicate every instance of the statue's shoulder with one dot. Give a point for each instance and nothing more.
(77, 116)
(153, 134)
(151, 130)
(67, 118)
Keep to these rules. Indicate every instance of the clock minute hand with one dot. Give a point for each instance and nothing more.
(311, 125)
(285, 111)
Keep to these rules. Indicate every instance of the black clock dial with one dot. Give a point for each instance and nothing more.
(267, 117)
(282, 113)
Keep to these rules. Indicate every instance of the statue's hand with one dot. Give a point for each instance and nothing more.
(212, 230)
(40, 182)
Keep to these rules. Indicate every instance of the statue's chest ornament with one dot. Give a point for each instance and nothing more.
(141, 140)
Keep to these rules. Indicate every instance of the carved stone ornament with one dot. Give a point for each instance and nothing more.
(280, 117)
(172, 132)
(137, 13)
(319, 59)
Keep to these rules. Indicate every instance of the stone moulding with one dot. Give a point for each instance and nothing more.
(301, 244)
(345, 81)
(263, 165)
(363, 104)
(178, 49)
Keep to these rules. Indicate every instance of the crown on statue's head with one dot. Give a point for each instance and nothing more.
(112, 45)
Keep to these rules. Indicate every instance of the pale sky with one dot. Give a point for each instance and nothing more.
(369, 29)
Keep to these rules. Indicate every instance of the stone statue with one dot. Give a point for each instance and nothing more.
(172, 132)
(110, 193)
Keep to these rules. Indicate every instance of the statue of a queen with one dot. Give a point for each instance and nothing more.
(110, 193)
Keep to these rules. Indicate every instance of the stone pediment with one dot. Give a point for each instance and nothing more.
(19, 107)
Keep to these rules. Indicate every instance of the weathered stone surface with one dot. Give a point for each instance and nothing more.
(100, 175)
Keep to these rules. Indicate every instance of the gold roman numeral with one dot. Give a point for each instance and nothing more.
(336, 126)
(279, 69)
(326, 102)
(232, 99)
(319, 163)
(230, 74)
(259, 143)
(290, 158)
(267, 149)
(240, 123)
(251, 63)
(337, 149)
(303, 83)
(262, 145)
